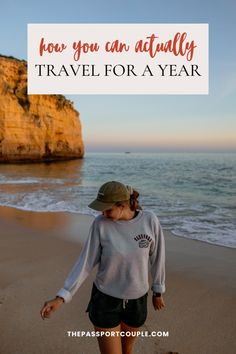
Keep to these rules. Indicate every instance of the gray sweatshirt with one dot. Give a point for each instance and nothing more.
(123, 251)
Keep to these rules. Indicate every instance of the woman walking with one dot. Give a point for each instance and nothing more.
(123, 241)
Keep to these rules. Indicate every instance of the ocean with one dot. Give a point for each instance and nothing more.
(193, 194)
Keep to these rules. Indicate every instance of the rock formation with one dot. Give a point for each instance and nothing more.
(34, 127)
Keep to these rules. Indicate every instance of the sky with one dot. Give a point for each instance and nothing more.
(145, 122)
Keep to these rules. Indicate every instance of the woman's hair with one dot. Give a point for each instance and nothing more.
(133, 201)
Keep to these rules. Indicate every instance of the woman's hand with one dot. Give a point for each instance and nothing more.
(158, 302)
(51, 306)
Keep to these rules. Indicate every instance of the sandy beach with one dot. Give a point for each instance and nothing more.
(39, 249)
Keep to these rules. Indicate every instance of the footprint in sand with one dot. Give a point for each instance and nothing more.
(2, 300)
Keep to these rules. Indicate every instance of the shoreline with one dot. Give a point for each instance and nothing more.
(87, 215)
(39, 249)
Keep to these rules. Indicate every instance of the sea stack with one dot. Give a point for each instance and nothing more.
(34, 127)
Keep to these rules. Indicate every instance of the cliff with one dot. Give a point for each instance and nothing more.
(34, 127)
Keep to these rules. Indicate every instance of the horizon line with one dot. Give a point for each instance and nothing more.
(159, 151)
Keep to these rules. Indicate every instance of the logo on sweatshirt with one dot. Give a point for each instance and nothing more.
(143, 240)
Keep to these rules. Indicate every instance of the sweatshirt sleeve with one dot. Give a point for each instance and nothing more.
(157, 259)
(88, 258)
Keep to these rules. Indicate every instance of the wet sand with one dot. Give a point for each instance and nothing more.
(39, 249)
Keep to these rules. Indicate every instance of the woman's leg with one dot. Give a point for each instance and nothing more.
(128, 341)
(109, 344)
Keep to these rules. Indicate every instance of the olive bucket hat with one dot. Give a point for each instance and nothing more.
(109, 194)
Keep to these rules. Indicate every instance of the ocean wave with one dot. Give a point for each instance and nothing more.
(13, 181)
(211, 227)
(192, 194)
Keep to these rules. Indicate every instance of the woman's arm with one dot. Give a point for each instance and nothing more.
(157, 261)
(89, 257)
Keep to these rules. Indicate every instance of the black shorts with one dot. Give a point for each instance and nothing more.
(107, 311)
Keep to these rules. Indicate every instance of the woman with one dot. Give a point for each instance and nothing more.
(122, 241)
